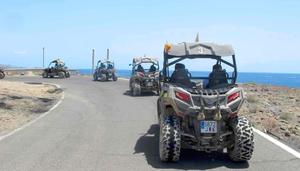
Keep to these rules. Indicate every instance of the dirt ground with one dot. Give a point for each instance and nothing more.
(275, 110)
(22, 102)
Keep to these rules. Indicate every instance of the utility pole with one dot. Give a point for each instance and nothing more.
(93, 60)
(107, 54)
(43, 57)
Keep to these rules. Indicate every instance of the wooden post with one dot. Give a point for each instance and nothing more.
(43, 57)
(93, 60)
(107, 54)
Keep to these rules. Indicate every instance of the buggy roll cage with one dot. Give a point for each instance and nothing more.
(211, 51)
(57, 63)
(138, 61)
(105, 62)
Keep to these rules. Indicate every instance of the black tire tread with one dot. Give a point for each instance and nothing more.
(170, 139)
(244, 140)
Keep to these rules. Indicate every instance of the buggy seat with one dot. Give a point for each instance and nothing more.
(181, 76)
(217, 77)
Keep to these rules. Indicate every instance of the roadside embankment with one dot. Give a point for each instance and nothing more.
(275, 110)
(30, 72)
(22, 102)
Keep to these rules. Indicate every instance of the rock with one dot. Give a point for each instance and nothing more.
(275, 110)
(261, 110)
(282, 128)
(287, 134)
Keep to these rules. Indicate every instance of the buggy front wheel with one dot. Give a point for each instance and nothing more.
(61, 75)
(68, 75)
(45, 75)
(2, 74)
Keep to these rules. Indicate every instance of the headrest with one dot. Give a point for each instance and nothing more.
(217, 67)
(179, 66)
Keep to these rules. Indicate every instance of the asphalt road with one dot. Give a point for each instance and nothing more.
(99, 126)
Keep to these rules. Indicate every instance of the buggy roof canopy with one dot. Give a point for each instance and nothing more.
(58, 61)
(145, 60)
(196, 49)
(105, 61)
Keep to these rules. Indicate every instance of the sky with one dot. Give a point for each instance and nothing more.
(264, 34)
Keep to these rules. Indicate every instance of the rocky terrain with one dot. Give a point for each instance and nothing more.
(22, 102)
(275, 110)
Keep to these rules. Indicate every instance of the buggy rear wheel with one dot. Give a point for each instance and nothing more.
(115, 78)
(136, 90)
(169, 139)
(95, 77)
(243, 146)
(2, 74)
(103, 77)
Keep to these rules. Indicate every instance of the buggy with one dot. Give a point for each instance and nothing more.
(2, 74)
(201, 113)
(56, 68)
(144, 80)
(105, 70)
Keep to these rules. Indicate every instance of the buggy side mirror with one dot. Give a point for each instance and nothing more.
(130, 64)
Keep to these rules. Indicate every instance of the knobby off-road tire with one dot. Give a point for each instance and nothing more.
(158, 110)
(115, 78)
(95, 77)
(61, 75)
(2, 74)
(68, 75)
(45, 75)
(169, 139)
(103, 77)
(136, 89)
(243, 140)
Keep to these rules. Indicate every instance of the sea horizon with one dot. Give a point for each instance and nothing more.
(291, 80)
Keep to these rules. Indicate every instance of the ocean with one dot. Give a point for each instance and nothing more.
(278, 79)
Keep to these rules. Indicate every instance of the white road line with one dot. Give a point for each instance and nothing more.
(36, 119)
(126, 79)
(278, 143)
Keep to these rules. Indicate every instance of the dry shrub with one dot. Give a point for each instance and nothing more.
(269, 123)
(252, 108)
(287, 116)
(252, 98)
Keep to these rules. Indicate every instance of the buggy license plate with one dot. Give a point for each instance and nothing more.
(208, 126)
